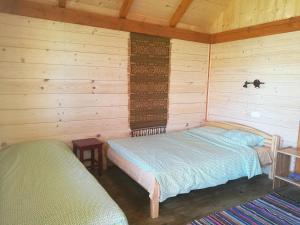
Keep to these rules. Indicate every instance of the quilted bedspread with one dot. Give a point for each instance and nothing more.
(42, 183)
(188, 160)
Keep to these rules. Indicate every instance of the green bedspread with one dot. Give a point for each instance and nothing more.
(42, 183)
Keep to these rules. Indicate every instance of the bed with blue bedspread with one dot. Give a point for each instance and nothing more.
(183, 161)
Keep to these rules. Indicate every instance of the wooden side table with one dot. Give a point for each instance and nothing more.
(282, 165)
(89, 144)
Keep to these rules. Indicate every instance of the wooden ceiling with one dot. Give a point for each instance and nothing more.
(195, 15)
(190, 20)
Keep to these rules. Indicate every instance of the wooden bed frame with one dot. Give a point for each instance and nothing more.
(271, 141)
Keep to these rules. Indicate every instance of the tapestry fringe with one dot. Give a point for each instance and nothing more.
(148, 131)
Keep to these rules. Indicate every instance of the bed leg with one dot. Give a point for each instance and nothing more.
(154, 202)
(154, 208)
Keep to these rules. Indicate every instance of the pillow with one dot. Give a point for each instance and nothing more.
(244, 138)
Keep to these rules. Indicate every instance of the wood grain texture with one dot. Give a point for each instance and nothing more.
(275, 107)
(76, 15)
(62, 3)
(62, 81)
(243, 13)
(125, 8)
(188, 84)
(68, 81)
(43, 11)
(7, 5)
(270, 28)
(201, 14)
(181, 9)
(282, 164)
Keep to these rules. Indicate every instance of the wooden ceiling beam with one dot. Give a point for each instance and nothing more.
(270, 28)
(181, 9)
(44, 11)
(62, 3)
(125, 8)
(7, 5)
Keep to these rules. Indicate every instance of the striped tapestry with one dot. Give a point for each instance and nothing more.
(149, 70)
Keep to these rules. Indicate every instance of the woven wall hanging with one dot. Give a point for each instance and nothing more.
(149, 71)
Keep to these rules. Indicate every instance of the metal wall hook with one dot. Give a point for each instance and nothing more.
(256, 83)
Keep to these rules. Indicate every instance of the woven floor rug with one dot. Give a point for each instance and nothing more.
(268, 210)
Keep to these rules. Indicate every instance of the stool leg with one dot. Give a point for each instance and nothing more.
(92, 158)
(81, 155)
(75, 150)
(100, 159)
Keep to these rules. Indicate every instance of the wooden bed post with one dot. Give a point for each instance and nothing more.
(154, 202)
(274, 147)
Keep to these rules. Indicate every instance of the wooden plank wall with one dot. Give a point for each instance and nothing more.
(275, 107)
(70, 81)
(61, 80)
(188, 84)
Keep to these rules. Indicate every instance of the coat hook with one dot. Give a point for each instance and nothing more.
(256, 83)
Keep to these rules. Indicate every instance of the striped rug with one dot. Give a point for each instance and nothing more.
(268, 210)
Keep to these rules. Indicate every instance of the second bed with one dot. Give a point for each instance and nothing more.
(175, 163)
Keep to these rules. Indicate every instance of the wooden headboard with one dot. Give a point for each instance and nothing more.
(271, 141)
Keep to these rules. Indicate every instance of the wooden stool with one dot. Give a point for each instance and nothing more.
(89, 144)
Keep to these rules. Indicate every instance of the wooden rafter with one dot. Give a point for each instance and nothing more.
(260, 30)
(125, 8)
(6, 5)
(62, 3)
(181, 9)
(44, 11)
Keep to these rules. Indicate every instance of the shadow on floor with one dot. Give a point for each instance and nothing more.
(180, 210)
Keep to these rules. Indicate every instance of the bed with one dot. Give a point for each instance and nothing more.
(42, 182)
(177, 162)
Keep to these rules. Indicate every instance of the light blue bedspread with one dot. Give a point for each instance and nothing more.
(189, 160)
